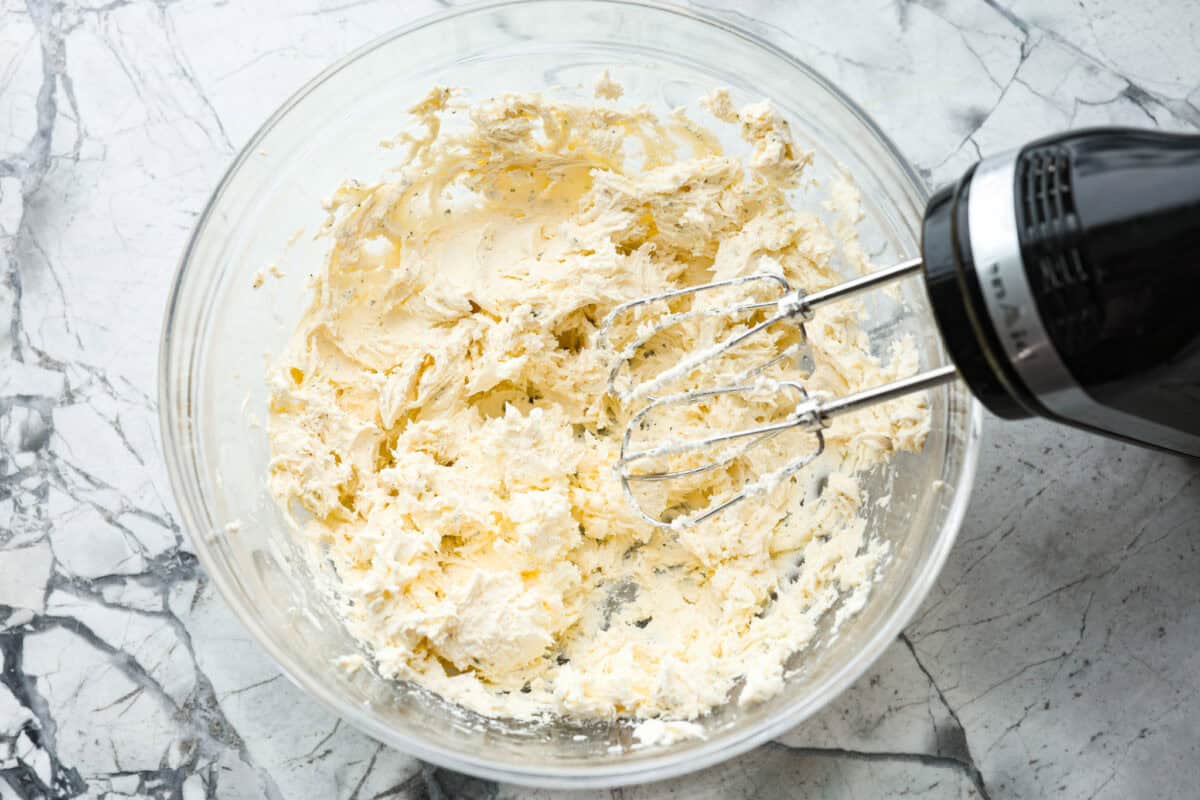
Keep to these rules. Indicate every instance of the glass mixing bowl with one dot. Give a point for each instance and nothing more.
(218, 328)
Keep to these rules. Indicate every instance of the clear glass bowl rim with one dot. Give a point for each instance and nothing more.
(192, 510)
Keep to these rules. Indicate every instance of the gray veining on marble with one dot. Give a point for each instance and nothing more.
(1059, 655)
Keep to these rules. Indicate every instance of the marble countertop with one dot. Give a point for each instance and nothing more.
(1059, 655)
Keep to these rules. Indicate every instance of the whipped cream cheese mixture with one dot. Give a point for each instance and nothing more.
(440, 426)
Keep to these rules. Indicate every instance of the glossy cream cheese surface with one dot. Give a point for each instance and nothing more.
(440, 425)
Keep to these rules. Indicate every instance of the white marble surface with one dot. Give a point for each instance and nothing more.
(1059, 655)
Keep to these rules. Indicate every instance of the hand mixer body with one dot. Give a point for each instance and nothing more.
(1064, 277)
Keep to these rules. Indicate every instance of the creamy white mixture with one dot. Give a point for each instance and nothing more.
(440, 424)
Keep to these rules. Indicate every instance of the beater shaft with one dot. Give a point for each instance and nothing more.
(888, 391)
(862, 283)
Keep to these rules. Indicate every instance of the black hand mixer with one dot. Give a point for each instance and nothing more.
(1063, 278)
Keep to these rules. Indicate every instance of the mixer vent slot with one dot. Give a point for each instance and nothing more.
(1050, 235)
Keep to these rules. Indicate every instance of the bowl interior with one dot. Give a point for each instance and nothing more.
(221, 331)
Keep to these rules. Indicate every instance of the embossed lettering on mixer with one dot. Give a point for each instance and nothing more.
(1012, 313)
(441, 432)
